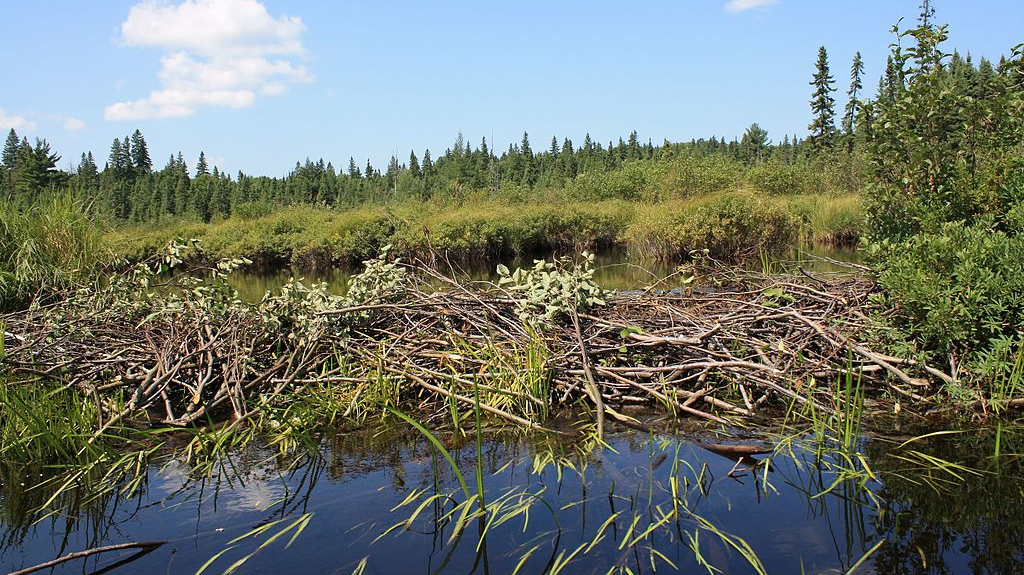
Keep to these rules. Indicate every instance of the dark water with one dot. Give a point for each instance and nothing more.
(615, 270)
(806, 512)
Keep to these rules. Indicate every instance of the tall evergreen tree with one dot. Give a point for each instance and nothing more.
(633, 147)
(201, 166)
(529, 173)
(141, 162)
(852, 103)
(414, 166)
(428, 164)
(753, 144)
(10, 154)
(822, 127)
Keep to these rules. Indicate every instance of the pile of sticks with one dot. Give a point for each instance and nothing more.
(715, 354)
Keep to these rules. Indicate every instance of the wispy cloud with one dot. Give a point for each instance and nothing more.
(15, 121)
(218, 53)
(73, 124)
(743, 5)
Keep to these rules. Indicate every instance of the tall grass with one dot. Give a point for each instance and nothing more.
(47, 246)
(731, 225)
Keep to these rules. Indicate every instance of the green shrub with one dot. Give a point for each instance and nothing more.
(959, 289)
(776, 179)
(689, 176)
(733, 227)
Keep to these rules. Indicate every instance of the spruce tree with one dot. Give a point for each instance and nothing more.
(10, 155)
(428, 164)
(141, 162)
(201, 166)
(823, 127)
(414, 166)
(852, 103)
(633, 148)
(529, 173)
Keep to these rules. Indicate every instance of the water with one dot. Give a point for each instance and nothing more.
(615, 270)
(800, 514)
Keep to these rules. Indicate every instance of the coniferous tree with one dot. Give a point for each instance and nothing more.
(753, 144)
(822, 127)
(414, 166)
(529, 173)
(633, 147)
(141, 162)
(35, 169)
(10, 154)
(428, 164)
(119, 160)
(8, 162)
(853, 105)
(201, 166)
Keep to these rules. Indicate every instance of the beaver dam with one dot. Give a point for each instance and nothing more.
(157, 421)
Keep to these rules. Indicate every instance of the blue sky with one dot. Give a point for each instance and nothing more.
(258, 85)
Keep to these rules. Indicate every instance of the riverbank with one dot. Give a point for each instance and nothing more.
(731, 226)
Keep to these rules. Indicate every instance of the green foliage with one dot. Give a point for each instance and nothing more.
(732, 227)
(380, 281)
(944, 209)
(823, 128)
(944, 150)
(961, 289)
(45, 248)
(550, 290)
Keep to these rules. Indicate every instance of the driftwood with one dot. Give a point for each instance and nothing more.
(144, 548)
(715, 354)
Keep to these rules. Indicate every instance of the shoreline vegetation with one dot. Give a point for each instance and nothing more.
(927, 176)
(122, 338)
(733, 226)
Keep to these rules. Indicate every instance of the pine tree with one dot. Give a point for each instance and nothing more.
(633, 148)
(754, 141)
(414, 166)
(529, 173)
(853, 105)
(353, 169)
(201, 166)
(428, 164)
(141, 162)
(10, 154)
(822, 105)
(118, 161)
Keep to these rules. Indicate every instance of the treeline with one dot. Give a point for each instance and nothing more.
(128, 188)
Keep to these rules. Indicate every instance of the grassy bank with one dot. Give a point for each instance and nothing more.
(46, 247)
(731, 225)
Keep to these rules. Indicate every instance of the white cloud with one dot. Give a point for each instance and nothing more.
(743, 5)
(218, 53)
(73, 124)
(16, 122)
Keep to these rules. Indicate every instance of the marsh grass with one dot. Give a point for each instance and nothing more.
(46, 247)
(732, 224)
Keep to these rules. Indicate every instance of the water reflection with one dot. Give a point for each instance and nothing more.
(642, 504)
(616, 270)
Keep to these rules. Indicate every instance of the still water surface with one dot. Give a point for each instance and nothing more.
(802, 513)
(615, 270)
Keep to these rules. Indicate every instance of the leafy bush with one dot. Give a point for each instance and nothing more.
(960, 289)
(731, 227)
(776, 179)
(550, 290)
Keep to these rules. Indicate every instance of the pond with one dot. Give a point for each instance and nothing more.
(390, 501)
(615, 270)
